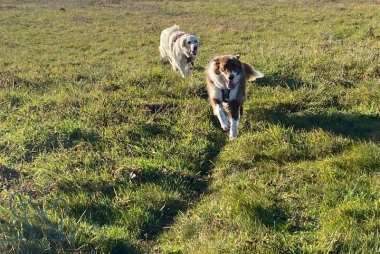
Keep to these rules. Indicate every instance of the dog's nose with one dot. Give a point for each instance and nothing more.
(231, 77)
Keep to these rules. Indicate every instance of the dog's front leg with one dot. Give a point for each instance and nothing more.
(234, 118)
(187, 69)
(218, 111)
(182, 71)
(184, 67)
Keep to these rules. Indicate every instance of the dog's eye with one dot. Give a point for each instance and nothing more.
(196, 41)
(188, 42)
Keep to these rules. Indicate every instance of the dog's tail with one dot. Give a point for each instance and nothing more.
(175, 27)
(251, 74)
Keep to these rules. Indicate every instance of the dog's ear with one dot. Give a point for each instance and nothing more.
(216, 59)
(216, 65)
(183, 41)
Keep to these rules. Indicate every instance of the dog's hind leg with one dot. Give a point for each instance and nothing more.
(162, 52)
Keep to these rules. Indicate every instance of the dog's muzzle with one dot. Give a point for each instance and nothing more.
(193, 51)
(230, 83)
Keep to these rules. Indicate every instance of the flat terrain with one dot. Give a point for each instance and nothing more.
(90, 116)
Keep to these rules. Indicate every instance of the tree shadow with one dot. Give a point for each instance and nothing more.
(289, 81)
(53, 140)
(354, 126)
(162, 213)
(193, 187)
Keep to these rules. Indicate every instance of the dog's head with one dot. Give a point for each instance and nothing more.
(190, 44)
(230, 68)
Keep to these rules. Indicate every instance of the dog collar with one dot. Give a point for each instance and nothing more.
(225, 95)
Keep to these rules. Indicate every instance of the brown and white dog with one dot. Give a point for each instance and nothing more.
(180, 48)
(226, 78)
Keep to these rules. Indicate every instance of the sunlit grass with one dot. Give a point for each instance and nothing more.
(90, 114)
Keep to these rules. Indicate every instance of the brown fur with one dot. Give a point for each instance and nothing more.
(219, 71)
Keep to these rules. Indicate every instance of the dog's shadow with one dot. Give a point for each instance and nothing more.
(198, 67)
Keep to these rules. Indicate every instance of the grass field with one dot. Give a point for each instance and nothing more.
(89, 114)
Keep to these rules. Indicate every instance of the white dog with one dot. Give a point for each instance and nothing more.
(180, 48)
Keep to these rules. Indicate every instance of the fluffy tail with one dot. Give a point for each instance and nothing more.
(251, 74)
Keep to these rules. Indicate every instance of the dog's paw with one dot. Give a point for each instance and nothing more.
(233, 134)
(184, 73)
(218, 111)
(224, 123)
(225, 126)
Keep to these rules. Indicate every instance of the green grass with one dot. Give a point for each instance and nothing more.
(90, 114)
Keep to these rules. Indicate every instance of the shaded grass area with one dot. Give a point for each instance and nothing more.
(117, 167)
(90, 114)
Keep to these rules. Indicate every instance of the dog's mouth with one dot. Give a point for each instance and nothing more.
(193, 50)
(230, 84)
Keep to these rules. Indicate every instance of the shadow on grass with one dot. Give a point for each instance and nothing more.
(198, 67)
(271, 217)
(120, 247)
(289, 81)
(354, 126)
(275, 217)
(52, 141)
(18, 83)
(31, 237)
(23, 247)
(8, 173)
(8, 176)
(161, 214)
(115, 246)
(191, 187)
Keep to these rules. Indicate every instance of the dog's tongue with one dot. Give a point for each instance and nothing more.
(230, 84)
